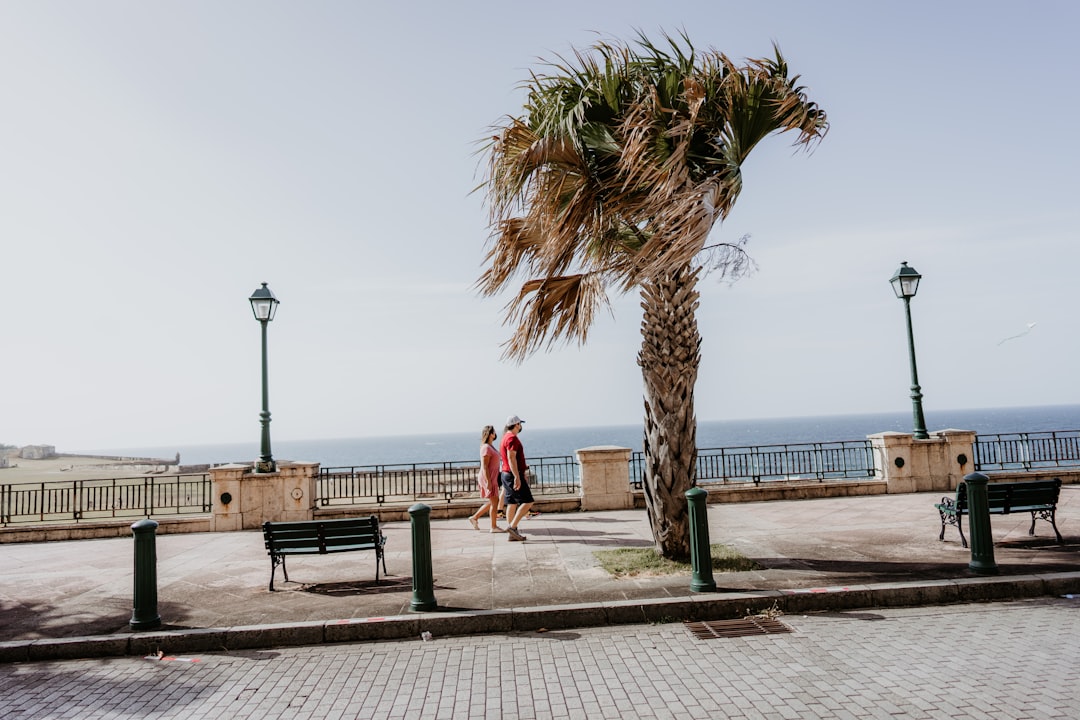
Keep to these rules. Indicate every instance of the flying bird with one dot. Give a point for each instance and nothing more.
(1029, 326)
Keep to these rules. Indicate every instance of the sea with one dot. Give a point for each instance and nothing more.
(540, 441)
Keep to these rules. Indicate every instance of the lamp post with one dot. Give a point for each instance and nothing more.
(905, 282)
(264, 305)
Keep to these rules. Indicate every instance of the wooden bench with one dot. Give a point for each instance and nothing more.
(319, 537)
(1038, 497)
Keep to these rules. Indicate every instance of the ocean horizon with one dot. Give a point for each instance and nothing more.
(542, 441)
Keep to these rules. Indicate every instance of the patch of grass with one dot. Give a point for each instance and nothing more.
(630, 562)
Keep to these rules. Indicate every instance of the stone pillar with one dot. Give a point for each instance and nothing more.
(227, 506)
(958, 457)
(910, 465)
(244, 500)
(605, 478)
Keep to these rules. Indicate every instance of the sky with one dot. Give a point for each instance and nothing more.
(158, 161)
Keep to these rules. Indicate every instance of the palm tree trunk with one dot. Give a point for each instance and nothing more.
(669, 359)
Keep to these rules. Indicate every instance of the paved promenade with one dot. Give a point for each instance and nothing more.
(998, 661)
(74, 599)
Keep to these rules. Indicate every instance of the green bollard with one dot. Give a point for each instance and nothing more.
(982, 539)
(145, 616)
(700, 554)
(423, 586)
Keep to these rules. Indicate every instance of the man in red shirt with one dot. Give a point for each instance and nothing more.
(518, 496)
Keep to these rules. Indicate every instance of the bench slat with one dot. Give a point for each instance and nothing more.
(298, 547)
(279, 537)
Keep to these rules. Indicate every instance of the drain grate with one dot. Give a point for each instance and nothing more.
(743, 627)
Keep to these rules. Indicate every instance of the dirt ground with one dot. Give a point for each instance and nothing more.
(75, 468)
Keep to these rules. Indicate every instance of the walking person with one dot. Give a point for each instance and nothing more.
(517, 495)
(488, 480)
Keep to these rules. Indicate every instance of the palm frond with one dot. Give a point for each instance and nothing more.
(547, 310)
(624, 160)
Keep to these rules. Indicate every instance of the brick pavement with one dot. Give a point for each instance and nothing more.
(928, 662)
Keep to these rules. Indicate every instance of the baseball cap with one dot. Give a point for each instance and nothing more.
(513, 420)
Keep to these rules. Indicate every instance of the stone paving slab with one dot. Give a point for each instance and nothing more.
(866, 551)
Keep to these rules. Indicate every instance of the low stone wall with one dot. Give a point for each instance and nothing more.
(90, 530)
(461, 508)
(1069, 476)
(782, 490)
(794, 490)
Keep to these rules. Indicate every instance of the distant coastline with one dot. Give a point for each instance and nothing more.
(543, 441)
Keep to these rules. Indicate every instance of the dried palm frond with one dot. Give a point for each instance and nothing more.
(555, 308)
(624, 161)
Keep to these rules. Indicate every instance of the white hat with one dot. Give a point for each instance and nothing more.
(513, 420)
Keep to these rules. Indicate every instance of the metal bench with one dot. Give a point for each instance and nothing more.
(319, 537)
(1038, 497)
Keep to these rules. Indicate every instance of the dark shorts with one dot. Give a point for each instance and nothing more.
(510, 495)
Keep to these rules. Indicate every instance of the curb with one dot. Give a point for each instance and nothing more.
(712, 606)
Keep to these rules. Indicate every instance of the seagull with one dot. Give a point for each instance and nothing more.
(1029, 326)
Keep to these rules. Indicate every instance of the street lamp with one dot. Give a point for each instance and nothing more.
(905, 282)
(264, 305)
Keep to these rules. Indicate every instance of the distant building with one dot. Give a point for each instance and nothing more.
(37, 452)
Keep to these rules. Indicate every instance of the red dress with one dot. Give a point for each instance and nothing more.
(489, 485)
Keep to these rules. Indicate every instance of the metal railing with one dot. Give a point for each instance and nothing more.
(381, 484)
(88, 500)
(190, 493)
(840, 460)
(1027, 451)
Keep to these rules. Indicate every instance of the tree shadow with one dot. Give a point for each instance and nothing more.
(588, 536)
(868, 570)
(1037, 543)
(561, 518)
(27, 621)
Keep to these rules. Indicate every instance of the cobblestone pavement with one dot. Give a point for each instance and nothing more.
(1006, 660)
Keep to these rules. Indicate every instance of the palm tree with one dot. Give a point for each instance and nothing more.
(623, 160)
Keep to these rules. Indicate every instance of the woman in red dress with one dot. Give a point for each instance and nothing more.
(488, 480)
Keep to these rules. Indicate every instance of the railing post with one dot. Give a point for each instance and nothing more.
(423, 597)
(700, 555)
(144, 615)
(982, 539)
